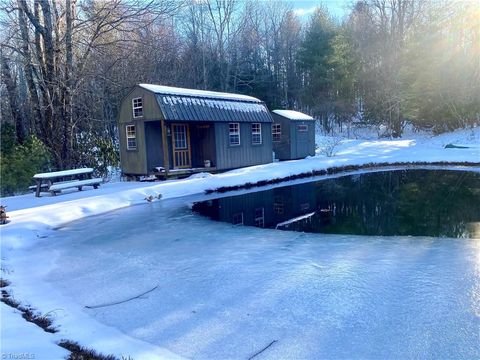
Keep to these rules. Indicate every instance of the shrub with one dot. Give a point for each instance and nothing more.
(328, 145)
(7, 138)
(98, 152)
(19, 163)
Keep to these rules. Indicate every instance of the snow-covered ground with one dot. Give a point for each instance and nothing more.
(42, 271)
(21, 338)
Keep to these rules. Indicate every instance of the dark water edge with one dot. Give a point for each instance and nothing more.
(439, 203)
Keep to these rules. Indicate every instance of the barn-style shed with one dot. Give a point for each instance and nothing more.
(293, 134)
(175, 131)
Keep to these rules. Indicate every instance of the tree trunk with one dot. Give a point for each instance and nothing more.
(67, 149)
(37, 124)
(12, 99)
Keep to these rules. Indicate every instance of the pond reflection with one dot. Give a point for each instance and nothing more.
(436, 203)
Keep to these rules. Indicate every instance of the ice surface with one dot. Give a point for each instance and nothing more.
(227, 291)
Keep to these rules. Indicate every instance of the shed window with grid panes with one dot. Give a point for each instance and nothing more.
(276, 132)
(234, 134)
(260, 217)
(137, 107)
(237, 219)
(131, 137)
(256, 134)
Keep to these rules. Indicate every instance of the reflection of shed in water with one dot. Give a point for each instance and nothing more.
(410, 202)
(262, 209)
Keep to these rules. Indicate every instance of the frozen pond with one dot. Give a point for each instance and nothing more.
(227, 292)
(440, 203)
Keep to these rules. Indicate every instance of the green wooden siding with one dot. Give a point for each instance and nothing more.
(294, 144)
(245, 154)
(151, 111)
(135, 161)
(282, 148)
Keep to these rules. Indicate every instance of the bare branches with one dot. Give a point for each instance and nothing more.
(33, 18)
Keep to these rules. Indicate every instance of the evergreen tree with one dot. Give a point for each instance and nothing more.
(314, 60)
(344, 63)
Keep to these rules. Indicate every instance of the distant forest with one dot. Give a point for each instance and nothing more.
(66, 64)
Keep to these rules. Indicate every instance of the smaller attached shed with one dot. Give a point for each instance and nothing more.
(293, 134)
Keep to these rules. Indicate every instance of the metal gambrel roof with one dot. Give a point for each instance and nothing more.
(179, 107)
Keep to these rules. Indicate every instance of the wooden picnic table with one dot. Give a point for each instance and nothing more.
(65, 179)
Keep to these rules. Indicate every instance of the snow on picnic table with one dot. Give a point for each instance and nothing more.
(32, 219)
(71, 172)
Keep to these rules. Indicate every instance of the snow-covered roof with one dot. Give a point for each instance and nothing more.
(186, 108)
(293, 115)
(178, 104)
(168, 90)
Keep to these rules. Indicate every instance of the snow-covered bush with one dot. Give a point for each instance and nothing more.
(328, 145)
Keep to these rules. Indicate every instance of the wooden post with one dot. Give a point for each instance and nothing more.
(166, 162)
(39, 186)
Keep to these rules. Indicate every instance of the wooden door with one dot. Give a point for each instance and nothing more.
(181, 146)
(301, 141)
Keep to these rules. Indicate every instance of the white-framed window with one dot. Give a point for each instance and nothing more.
(180, 137)
(131, 137)
(259, 217)
(137, 107)
(302, 128)
(234, 133)
(256, 133)
(237, 219)
(276, 132)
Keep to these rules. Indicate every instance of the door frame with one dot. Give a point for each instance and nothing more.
(183, 151)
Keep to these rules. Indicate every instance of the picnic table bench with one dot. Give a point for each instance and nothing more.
(55, 182)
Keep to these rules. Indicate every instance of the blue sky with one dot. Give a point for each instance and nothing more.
(306, 7)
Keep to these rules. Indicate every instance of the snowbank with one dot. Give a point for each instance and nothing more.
(15, 330)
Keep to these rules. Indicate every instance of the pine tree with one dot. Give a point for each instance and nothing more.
(314, 55)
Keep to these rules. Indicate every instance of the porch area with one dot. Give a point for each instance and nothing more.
(190, 148)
